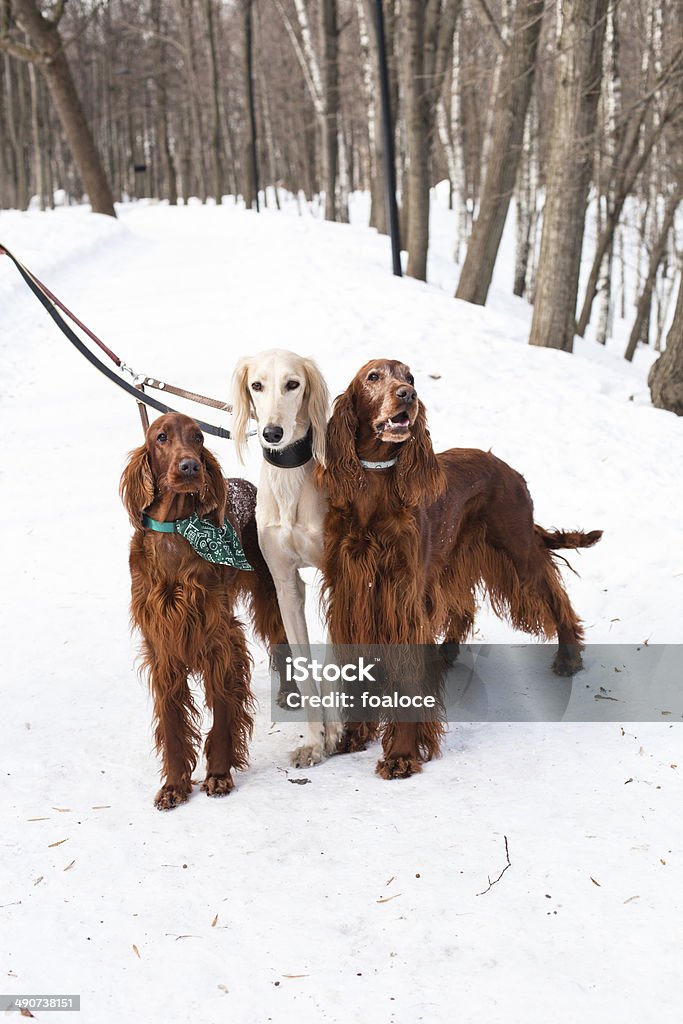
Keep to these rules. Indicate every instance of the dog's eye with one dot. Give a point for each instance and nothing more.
(292, 385)
(410, 379)
(373, 376)
(162, 438)
(257, 386)
(198, 438)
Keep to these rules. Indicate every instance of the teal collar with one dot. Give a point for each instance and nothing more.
(156, 524)
(217, 544)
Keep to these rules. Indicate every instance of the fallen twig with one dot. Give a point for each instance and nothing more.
(495, 880)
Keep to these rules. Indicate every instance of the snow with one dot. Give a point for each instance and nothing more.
(349, 898)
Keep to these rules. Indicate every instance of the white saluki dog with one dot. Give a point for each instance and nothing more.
(288, 397)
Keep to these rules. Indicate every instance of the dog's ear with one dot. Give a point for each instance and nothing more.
(241, 407)
(419, 476)
(342, 474)
(318, 407)
(214, 494)
(137, 484)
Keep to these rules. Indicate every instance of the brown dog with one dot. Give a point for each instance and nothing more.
(184, 604)
(411, 535)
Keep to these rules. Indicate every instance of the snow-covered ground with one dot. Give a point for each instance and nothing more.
(350, 898)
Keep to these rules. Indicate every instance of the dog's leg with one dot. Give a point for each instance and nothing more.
(226, 670)
(333, 728)
(291, 594)
(264, 609)
(568, 660)
(541, 601)
(406, 746)
(176, 733)
(458, 627)
(401, 751)
(355, 736)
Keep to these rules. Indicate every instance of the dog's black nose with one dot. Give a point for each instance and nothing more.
(272, 434)
(406, 394)
(188, 467)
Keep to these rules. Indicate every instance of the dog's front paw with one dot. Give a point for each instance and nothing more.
(398, 767)
(568, 660)
(333, 734)
(356, 737)
(312, 750)
(170, 796)
(218, 785)
(308, 755)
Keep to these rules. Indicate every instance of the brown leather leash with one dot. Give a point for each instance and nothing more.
(136, 388)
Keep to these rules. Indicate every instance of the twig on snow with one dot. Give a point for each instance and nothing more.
(495, 880)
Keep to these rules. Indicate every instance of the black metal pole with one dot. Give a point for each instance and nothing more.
(248, 27)
(387, 130)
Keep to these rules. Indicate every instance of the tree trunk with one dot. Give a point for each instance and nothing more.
(198, 135)
(46, 41)
(216, 133)
(577, 91)
(167, 169)
(15, 104)
(428, 38)
(251, 182)
(38, 164)
(623, 187)
(331, 94)
(417, 129)
(526, 202)
(666, 375)
(658, 252)
(516, 80)
(371, 91)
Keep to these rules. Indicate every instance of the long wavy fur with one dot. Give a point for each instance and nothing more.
(184, 607)
(383, 583)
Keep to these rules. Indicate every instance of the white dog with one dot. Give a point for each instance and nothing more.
(288, 397)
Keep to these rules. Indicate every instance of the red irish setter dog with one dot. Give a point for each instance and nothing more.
(412, 535)
(184, 606)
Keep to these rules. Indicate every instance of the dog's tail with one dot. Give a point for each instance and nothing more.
(555, 539)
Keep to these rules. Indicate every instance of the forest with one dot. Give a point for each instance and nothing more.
(571, 112)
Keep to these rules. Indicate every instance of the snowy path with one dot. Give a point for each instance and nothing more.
(297, 880)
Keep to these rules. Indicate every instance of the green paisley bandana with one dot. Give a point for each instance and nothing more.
(217, 544)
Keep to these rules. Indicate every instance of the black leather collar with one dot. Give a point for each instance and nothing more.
(293, 455)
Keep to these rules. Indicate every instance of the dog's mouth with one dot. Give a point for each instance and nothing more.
(186, 484)
(396, 428)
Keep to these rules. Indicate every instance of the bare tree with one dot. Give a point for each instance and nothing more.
(331, 94)
(577, 91)
(168, 171)
(251, 179)
(631, 159)
(666, 375)
(512, 100)
(428, 35)
(217, 120)
(46, 50)
(656, 257)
